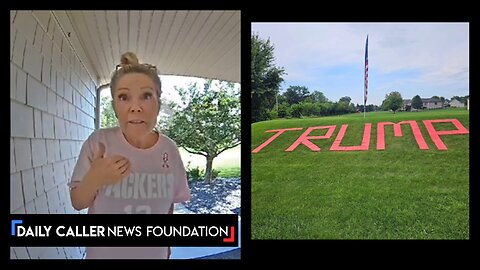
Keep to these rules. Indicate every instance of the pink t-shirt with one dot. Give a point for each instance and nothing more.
(157, 179)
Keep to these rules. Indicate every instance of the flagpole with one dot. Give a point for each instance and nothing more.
(365, 82)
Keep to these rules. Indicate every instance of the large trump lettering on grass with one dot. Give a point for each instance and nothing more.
(397, 132)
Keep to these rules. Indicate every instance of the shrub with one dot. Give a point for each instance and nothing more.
(215, 174)
(194, 174)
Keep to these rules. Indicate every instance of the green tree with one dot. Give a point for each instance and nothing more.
(393, 101)
(345, 99)
(296, 94)
(318, 96)
(417, 102)
(209, 121)
(107, 117)
(265, 78)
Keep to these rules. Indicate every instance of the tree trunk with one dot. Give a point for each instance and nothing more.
(208, 170)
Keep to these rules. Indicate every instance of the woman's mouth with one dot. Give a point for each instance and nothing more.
(136, 122)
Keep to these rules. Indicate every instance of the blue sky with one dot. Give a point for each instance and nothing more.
(423, 59)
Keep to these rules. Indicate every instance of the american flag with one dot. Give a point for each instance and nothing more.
(366, 72)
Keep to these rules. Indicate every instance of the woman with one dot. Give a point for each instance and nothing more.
(130, 169)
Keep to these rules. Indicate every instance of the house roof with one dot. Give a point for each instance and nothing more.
(196, 43)
(430, 100)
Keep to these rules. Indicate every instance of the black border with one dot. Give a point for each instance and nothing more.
(362, 12)
(245, 159)
(319, 252)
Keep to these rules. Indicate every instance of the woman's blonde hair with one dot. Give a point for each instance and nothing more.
(129, 64)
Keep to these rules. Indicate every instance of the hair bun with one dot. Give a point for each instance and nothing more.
(129, 58)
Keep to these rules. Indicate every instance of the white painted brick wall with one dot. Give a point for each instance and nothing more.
(68, 129)
(46, 72)
(61, 251)
(16, 193)
(32, 63)
(64, 194)
(90, 122)
(37, 43)
(73, 149)
(59, 128)
(76, 96)
(13, 81)
(47, 48)
(21, 120)
(21, 94)
(13, 34)
(30, 207)
(42, 17)
(80, 129)
(58, 38)
(28, 183)
(65, 109)
(38, 174)
(59, 172)
(48, 126)
(52, 113)
(71, 112)
(70, 166)
(60, 84)
(37, 123)
(12, 156)
(57, 150)
(39, 152)
(21, 252)
(51, 102)
(25, 23)
(65, 150)
(50, 151)
(51, 253)
(35, 252)
(72, 252)
(51, 28)
(36, 94)
(68, 92)
(56, 59)
(12, 253)
(19, 211)
(53, 201)
(74, 79)
(23, 154)
(74, 132)
(59, 107)
(19, 49)
(48, 181)
(53, 79)
(41, 204)
(65, 74)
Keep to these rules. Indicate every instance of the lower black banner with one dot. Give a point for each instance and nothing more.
(124, 230)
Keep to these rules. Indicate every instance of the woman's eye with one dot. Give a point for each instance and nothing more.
(147, 96)
(122, 97)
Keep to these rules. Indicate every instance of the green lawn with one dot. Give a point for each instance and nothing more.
(228, 162)
(401, 192)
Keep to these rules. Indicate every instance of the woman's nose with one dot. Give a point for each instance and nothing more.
(135, 108)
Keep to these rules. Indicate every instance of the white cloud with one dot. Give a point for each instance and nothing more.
(433, 55)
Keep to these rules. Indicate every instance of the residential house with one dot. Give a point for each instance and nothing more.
(428, 103)
(457, 103)
(432, 103)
